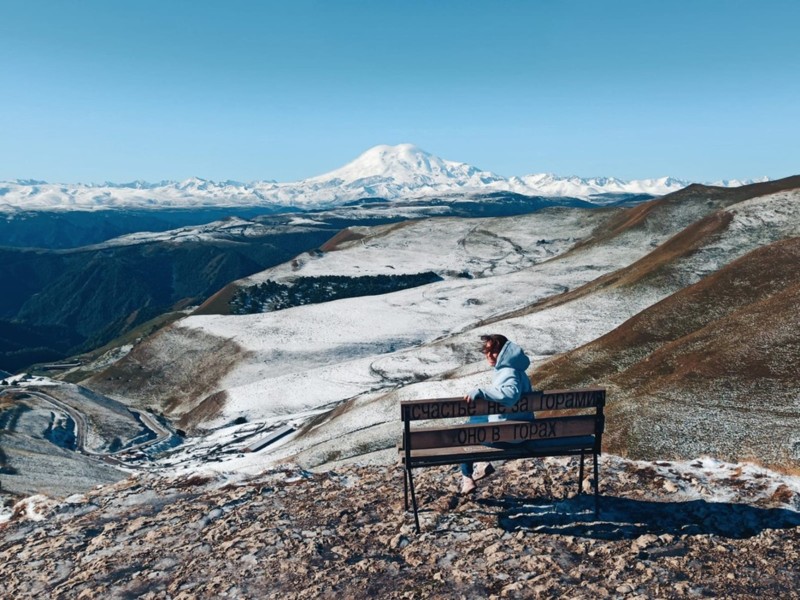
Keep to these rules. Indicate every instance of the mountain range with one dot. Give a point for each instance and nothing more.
(684, 307)
(388, 172)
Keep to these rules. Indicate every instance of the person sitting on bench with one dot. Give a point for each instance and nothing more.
(509, 383)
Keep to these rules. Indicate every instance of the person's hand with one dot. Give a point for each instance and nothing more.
(467, 399)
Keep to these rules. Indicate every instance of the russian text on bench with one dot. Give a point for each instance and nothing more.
(554, 433)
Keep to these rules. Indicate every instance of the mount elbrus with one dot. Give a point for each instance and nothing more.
(681, 306)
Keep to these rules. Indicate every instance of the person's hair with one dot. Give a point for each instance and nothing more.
(493, 343)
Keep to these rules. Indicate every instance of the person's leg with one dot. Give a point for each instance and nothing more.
(482, 469)
(467, 482)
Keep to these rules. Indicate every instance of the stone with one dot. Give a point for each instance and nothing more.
(296, 543)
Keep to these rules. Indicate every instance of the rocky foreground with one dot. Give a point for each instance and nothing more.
(665, 530)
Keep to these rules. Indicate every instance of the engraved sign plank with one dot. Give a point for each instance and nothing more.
(441, 408)
(503, 431)
(447, 408)
(564, 399)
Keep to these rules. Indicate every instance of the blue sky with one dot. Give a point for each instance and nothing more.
(114, 91)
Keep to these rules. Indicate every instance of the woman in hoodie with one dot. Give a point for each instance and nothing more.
(509, 383)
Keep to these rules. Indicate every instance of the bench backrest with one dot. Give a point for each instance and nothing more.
(551, 426)
(549, 400)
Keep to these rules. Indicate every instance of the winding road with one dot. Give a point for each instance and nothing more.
(81, 427)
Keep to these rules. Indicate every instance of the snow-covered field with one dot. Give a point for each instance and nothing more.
(422, 342)
(309, 356)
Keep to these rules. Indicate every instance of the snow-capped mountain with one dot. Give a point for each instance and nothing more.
(390, 172)
(403, 170)
(548, 184)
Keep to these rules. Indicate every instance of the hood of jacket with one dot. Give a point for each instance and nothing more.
(512, 357)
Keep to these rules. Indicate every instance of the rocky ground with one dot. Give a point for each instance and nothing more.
(665, 530)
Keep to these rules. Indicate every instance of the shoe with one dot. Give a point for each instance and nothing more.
(483, 470)
(467, 485)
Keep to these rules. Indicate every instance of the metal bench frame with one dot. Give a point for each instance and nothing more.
(556, 431)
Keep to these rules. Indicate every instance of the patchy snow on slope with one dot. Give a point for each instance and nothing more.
(34, 508)
(756, 222)
(447, 246)
(315, 355)
(714, 480)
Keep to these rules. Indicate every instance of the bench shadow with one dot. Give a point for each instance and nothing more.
(625, 518)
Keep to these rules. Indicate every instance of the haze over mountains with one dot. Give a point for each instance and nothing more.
(388, 172)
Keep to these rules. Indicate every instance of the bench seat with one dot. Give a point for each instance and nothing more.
(566, 423)
(447, 456)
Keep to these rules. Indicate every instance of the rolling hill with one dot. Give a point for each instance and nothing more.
(340, 367)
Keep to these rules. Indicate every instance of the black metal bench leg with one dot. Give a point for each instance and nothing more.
(580, 475)
(413, 498)
(596, 486)
(405, 488)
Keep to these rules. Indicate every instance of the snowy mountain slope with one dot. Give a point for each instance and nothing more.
(309, 337)
(232, 229)
(544, 332)
(312, 357)
(552, 328)
(481, 247)
(404, 164)
(390, 172)
(726, 346)
(548, 184)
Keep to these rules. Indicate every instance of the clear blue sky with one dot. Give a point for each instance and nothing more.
(246, 90)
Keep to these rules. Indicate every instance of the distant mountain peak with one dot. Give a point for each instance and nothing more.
(384, 171)
(403, 163)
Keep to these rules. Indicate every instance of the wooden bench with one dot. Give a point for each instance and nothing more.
(567, 423)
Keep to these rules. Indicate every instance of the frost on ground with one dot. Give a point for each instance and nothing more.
(612, 308)
(688, 529)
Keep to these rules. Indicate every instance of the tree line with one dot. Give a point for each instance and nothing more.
(271, 295)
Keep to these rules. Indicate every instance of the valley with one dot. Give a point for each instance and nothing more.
(69, 297)
(555, 281)
(230, 280)
(560, 281)
(286, 381)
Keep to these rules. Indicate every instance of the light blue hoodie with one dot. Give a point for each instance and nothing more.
(509, 383)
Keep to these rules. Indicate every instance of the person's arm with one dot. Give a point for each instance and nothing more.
(505, 389)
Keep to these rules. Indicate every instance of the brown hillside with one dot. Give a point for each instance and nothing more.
(657, 213)
(711, 369)
(348, 235)
(730, 389)
(219, 303)
(751, 278)
(345, 235)
(172, 373)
